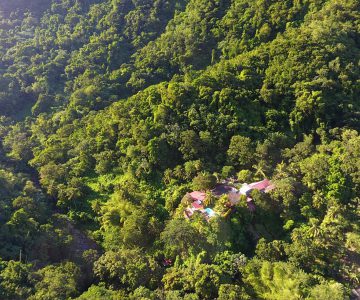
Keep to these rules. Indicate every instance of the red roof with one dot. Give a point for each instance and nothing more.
(260, 185)
(196, 195)
(269, 188)
(197, 205)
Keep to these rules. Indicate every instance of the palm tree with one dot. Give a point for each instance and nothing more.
(209, 199)
(280, 170)
(315, 231)
(260, 168)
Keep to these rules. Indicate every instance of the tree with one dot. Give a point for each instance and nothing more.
(207, 279)
(241, 151)
(190, 145)
(270, 251)
(204, 181)
(276, 280)
(227, 171)
(128, 268)
(244, 175)
(195, 276)
(15, 281)
(187, 200)
(56, 282)
(180, 238)
(144, 293)
(327, 290)
(231, 264)
(209, 200)
(139, 229)
(18, 143)
(232, 292)
(100, 292)
(104, 161)
(222, 204)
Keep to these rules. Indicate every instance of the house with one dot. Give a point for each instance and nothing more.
(263, 186)
(221, 189)
(233, 194)
(245, 189)
(198, 196)
(197, 205)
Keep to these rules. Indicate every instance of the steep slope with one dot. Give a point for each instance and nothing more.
(111, 111)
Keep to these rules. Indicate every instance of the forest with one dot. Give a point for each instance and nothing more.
(113, 111)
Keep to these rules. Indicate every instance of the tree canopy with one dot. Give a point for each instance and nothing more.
(113, 111)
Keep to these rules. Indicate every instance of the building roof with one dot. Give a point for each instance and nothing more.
(233, 194)
(221, 189)
(197, 206)
(269, 188)
(196, 195)
(244, 189)
(260, 185)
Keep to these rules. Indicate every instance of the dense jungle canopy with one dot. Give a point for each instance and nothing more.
(111, 111)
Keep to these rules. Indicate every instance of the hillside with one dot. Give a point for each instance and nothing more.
(112, 112)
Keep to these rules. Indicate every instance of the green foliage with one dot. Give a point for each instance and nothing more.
(96, 292)
(273, 251)
(328, 290)
(15, 280)
(195, 276)
(127, 268)
(180, 238)
(203, 182)
(232, 292)
(56, 282)
(283, 281)
(111, 111)
(240, 151)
